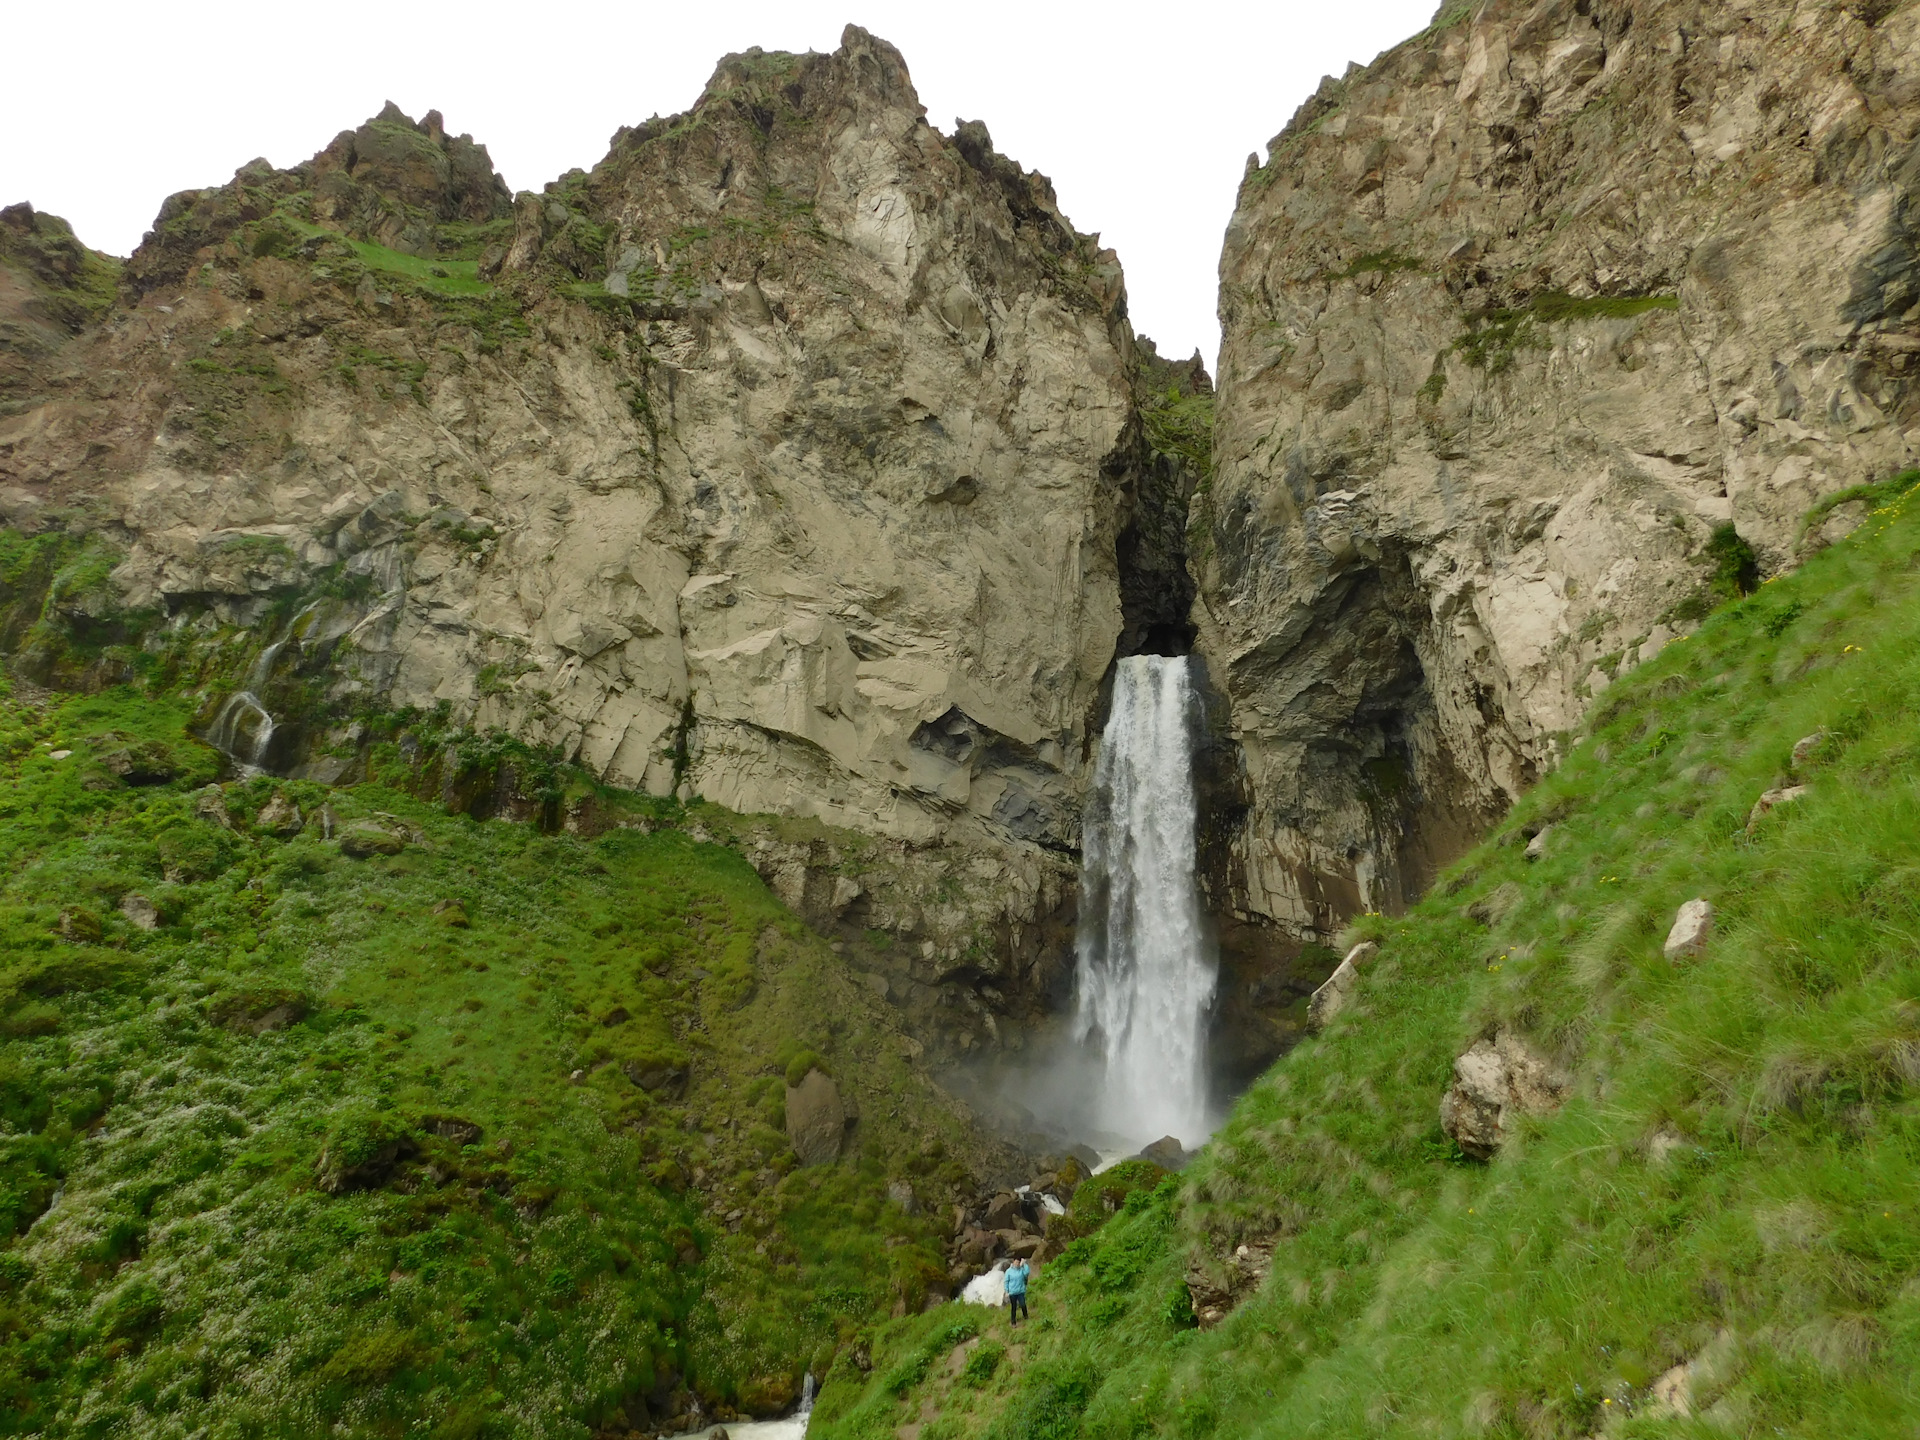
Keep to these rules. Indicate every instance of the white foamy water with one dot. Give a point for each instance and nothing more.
(242, 731)
(789, 1429)
(1145, 965)
(989, 1288)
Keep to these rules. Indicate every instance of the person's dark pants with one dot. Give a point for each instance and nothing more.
(1016, 1307)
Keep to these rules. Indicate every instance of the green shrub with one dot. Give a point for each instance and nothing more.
(360, 1143)
(192, 850)
(1736, 569)
(983, 1364)
(1101, 1195)
(1048, 1404)
(801, 1063)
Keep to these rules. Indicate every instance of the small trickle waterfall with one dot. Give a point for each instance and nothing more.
(1145, 966)
(243, 729)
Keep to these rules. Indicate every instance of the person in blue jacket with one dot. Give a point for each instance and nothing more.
(1016, 1291)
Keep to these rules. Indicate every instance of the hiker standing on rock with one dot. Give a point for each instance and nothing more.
(1016, 1291)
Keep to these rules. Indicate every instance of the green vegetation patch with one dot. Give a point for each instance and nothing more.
(321, 1156)
(1180, 426)
(437, 276)
(1379, 262)
(1492, 339)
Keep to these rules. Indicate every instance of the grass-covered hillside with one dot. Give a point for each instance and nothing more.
(1717, 1232)
(481, 1136)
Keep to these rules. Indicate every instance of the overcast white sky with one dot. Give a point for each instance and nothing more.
(1143, 114)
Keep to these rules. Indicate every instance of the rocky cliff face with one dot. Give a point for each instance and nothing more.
(1516, 320)
(789, 458)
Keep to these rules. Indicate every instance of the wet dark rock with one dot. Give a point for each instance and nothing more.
(1167, 1153)
(658, 1077)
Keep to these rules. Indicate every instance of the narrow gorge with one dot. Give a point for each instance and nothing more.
(661, 774)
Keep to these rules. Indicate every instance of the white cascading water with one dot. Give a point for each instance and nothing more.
(1146, 966)
(243, 729)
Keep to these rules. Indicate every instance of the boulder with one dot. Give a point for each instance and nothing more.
(451, 913)
(1494, 1083)
(140, 762)
(141, 912)
(1001, 1210)
(1537, 846)
(816, 1119)
(211, 805)
(665, 1078)
(1804, 747)
(1664, 1143)
(1692, 928)
(1773, 799)
(1167, 1153)
(361, 1151)
(901, 1193)
(255, 1012)
(279, 816)
(452, 1127)
(1331, 998)
(1676, 1393)
(364, 839)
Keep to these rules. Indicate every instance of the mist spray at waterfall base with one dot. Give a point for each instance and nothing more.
(1130, 1066)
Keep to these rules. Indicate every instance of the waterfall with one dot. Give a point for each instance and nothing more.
(262, 670)
(242, 731)
(1145, 968)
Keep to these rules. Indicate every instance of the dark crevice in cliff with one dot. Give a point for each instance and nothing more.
(1165, 456)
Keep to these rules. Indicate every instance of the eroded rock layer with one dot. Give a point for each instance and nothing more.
(1516, 319)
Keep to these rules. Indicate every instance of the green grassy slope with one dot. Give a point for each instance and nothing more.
(1734, 1179)
(186, 1245)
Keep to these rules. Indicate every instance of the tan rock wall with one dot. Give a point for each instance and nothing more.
(1514, 318)
(793, 472)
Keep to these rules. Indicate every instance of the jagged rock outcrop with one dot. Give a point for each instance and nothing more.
(51, 288)
(1515, 319)
(1495, 1083)
(790, 457)
(1326, 1003)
